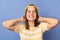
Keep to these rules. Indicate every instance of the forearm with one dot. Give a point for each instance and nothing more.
(48, 20)
(11, 22)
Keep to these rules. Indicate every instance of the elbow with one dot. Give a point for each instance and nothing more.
(57, 21)
(4, 24)
(54, 22)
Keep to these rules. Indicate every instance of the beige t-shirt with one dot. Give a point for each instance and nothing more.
(35, 33)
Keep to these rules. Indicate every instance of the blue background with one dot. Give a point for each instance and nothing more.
(12, 9)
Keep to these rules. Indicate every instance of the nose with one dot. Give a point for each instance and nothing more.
(31, 13)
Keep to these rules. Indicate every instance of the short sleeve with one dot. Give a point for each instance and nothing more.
(18, 28)
(44, 27)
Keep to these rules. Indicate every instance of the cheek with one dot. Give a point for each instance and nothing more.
(35, 15)
(27, 15)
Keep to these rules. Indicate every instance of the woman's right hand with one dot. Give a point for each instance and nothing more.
(22, 19)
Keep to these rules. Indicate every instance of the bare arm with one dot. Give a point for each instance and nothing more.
(10, 24)
(52, 22)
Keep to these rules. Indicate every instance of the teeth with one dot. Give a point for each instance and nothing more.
(30, 16)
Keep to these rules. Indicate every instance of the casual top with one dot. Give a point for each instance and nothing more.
(34, 33)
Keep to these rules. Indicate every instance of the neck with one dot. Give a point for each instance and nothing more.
(31, 23)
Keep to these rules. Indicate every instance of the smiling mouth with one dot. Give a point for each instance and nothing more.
(31, 16)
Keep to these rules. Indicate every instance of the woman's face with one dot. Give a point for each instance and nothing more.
(31, 13)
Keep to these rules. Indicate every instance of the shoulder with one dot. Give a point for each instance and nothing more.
(19, 27)
(43, 24)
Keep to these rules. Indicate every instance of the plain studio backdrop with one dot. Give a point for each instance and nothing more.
(12, 9)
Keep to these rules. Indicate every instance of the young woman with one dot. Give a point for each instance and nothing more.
(34, 26)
